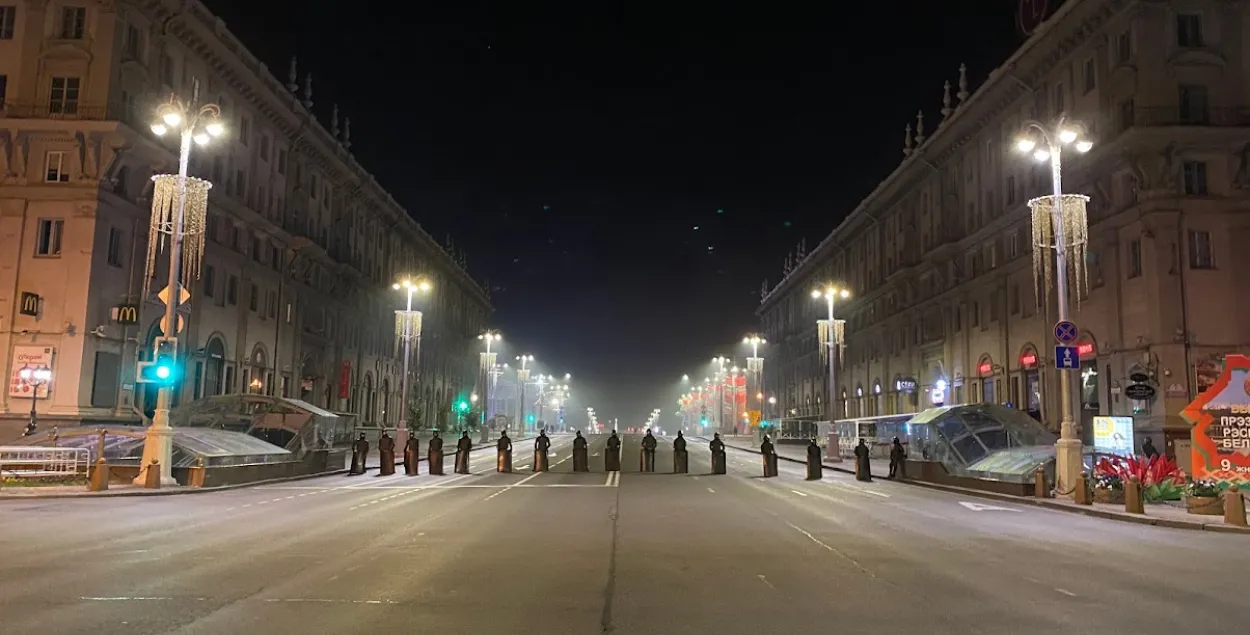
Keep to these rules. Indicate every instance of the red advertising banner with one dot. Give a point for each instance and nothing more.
(1220, 417)
(345, 381)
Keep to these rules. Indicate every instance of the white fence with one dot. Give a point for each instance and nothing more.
(33, 462)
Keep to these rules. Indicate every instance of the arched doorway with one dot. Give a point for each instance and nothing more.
(214, 367)
(985, 371)
(385, 414)
(878, 399)
(308, 373)
(259, 380)
(367, 392)
(1030, 397)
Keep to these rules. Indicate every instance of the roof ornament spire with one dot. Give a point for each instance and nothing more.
(292, 76)
(946, 100)
(334, 122)
(907, 140)
(963, 84)
(347, 133)
(308, 102)
(920, 128)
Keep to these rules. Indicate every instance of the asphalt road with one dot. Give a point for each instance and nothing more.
(559, 552)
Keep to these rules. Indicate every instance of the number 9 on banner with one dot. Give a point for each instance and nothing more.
(1226, 464)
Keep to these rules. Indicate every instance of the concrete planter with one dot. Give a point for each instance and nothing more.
(1204, 505)
(1109, 496)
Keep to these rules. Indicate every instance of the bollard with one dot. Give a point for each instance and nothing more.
(1083, 494)
(152, 478)
(681, 462)
(503, 460)
(195, 475)
(99, 476)
(1039, 484)
(1234, 507)
(1133, 501)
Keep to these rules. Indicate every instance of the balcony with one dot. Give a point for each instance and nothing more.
(1155, 117)
(71, 111)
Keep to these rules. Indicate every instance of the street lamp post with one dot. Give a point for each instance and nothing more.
(830, 331)
(719, 376)
(522, 376)
(36, 377)
(485, 366)
(408, 328)
(755, 367)
(1059, 223)
(179, 205)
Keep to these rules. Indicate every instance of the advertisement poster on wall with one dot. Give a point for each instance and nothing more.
(1220, 417)
(33, 357)
(1113, 435)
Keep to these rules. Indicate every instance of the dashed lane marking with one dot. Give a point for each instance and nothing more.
(711, 491)
(799, 493)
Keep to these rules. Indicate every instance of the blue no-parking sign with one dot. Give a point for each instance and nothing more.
(1066, 332)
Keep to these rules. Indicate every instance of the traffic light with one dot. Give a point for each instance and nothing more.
(529, 418)
(703, 420)
(463, 406)
(163, 369)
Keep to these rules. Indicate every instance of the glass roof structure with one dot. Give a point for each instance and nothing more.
(220, 431)
(982, 440)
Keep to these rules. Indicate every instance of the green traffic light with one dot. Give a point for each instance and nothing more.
(463, 406)
(164, 372)
(530, 418)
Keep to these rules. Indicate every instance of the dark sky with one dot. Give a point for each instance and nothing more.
(625, 178)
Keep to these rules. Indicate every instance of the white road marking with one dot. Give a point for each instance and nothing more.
(1065, 592)
(831, 549)
(608, 482)
(982, 507)
(710, 490)
(139, 599)
(799, 493)
(522, 482)
(765, 581)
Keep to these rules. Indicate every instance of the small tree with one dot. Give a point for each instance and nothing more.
(471, 420)
(416, 416)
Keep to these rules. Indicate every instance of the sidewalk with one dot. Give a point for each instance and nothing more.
(1160, 515)
(116, 490)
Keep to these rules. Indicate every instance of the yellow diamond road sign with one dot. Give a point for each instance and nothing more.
(183, 295)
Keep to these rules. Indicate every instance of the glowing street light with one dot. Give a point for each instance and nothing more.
(179, 206)
(831, 332)
(1060, 223)
(408, 328)
(36, 377)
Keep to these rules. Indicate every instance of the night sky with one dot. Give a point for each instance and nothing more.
(624, 179)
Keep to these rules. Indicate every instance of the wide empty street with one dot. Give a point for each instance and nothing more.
(629, 553)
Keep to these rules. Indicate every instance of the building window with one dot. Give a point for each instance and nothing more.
(272, 304)
(253, 301)
(232, 290)
(167, 69)
(55, 170)
(8, 15)
(1013, 245)
(115, 247)
(1194, 105)
(1189, 30)
(134, 41)
(264, 148)
(1128, 114)
(245, 130)
(1015, 299)
(1200, 256)
(73, 23)
(1091, 76)
(974, 314)
(281, 161)
(1060, 102)
(210, 280)
(1124, 47)
(4, 87)
(48, 238)
(1011, 190)
(1194, 176)
(1134, 258)
(63, 99)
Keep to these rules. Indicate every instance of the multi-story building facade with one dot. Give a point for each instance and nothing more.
(939, 256)
(294, 298)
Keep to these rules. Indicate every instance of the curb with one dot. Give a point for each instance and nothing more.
(182, 491)
(1048, 504)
